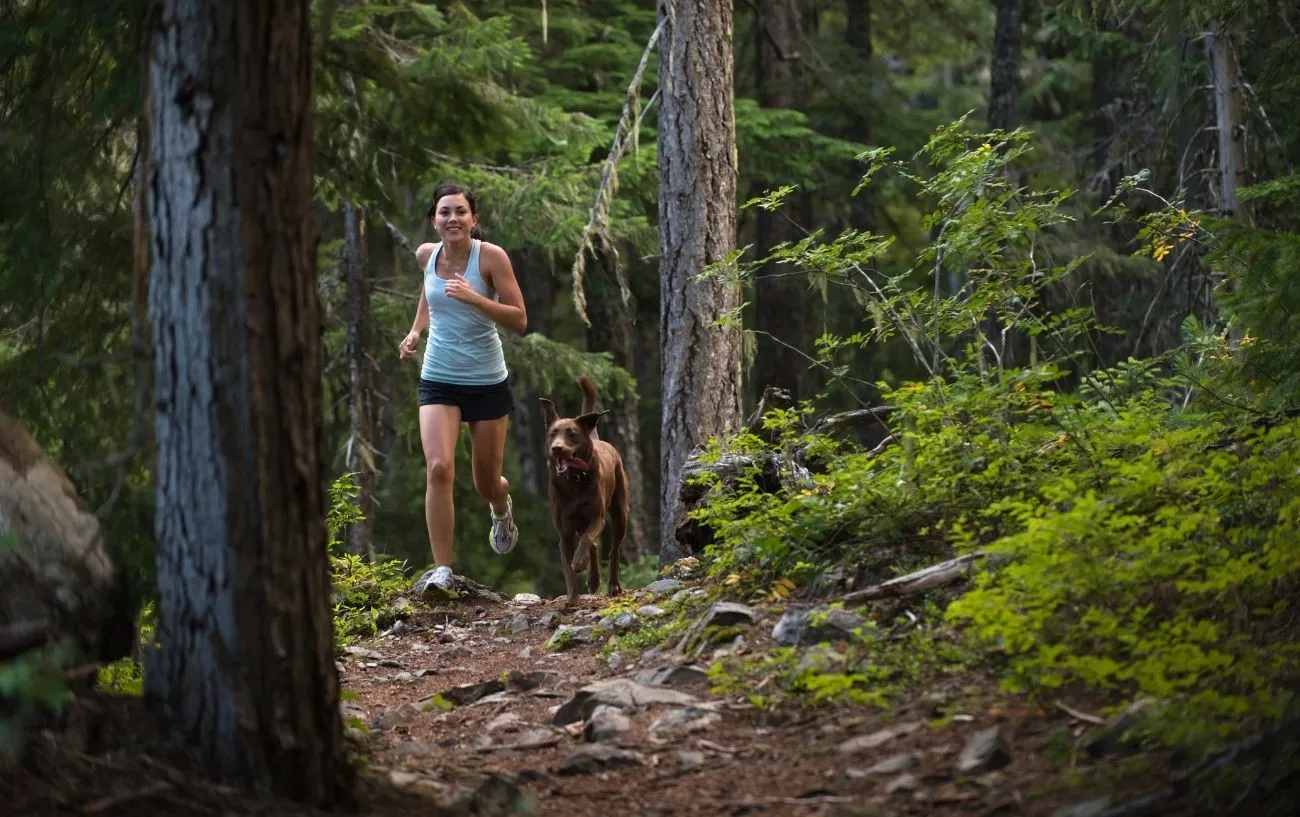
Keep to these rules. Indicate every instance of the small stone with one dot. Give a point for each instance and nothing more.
(879, 738)
(456, 652)
(606, 722)
(567, 634)
(895, 764)
(526, 652)
(621, 693)
(904, 782)
(393, 717)
(985, 751)
(615, 660)
(651, 611)
(518, 624)
(689, 759)
(549, 620)
(663, 586)
(689, 719)
(812, 626)
(524, 681)
(527, 598)
(1088, 808)
(728, 614)
(1124, 731)
(597, 757)
(402, 779)
(504, 721)
(362, 652)
(674, 676)
(469, 693)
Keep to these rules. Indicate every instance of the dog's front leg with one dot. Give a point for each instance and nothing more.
(570, 575)
(587, 543)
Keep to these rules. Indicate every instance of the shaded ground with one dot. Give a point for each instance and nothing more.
(463, 709)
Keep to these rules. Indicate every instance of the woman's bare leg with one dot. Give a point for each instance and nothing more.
(439, 430)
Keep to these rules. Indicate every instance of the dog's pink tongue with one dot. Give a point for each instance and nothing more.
(576, 464)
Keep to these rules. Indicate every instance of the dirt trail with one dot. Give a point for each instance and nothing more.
(519, 732)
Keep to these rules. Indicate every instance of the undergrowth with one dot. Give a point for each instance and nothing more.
(1139, 522)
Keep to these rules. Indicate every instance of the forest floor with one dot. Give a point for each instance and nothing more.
(486, 705)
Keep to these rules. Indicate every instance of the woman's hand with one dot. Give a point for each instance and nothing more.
(457, 288)
(406, 349)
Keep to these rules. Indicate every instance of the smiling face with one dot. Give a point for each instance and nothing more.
(453, 217)
(567, 440)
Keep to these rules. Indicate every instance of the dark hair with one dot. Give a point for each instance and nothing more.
(449, 189)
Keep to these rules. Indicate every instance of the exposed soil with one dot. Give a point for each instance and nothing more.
(497, 750)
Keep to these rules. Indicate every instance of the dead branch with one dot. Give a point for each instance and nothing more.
(855, 418)
(597, 228)
(939, 575)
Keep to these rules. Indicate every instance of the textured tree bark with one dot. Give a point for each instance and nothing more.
(1004, 79)
(1229, 121)
(700, 361)
(613, 328)
(244, 671)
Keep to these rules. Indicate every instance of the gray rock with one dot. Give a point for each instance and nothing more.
(526, 652)
(362, 652)
(494, 795)
(506, 721)
(879, 738)
(821, 658)
(1125, 731)
(620, 693)
(689, 719)
(527, 598)
(606, 722)
(651, 611)
(518, 624)
(394, 717)
(904, 782)
(689, 760)
(469, 693)
(615, 660)
(728, 614)
(674, 676)
(663, 586)
(520, 681)
(895, 764)
(567, 634)
(621, 623)
(985, 751)
(1088, 808)
(815, 625)
(597, 757)
(548, 620)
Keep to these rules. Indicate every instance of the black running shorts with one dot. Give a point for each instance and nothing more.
(476, 402)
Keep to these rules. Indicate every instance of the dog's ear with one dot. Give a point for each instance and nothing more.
(549, 415)
(588, 421)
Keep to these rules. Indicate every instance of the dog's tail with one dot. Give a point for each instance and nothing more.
(588, 394)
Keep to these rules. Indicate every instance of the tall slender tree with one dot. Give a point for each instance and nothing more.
(244, 670)
(700, 360)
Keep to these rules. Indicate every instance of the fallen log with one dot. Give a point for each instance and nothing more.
(939, 575)
(56, 568)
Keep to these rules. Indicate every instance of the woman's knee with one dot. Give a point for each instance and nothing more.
(441, 471)
(487, 484)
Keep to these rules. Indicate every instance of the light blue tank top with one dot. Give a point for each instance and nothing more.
(464, 347)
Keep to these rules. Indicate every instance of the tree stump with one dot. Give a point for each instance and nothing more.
(57, 579)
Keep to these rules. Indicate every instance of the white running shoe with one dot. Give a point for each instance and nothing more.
(435, 584)
(505, 534)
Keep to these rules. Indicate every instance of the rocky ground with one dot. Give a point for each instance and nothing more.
(483, 705)
(493, 705)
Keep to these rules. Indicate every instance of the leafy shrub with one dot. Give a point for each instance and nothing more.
(365, 595)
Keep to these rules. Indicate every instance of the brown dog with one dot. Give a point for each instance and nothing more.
(587, 481)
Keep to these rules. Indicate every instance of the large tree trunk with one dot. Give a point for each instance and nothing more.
(361, 442)
(1004, 78)
(1229, 121)
(244, 671)
(613, 328)
(779, 299)
(700, 362)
